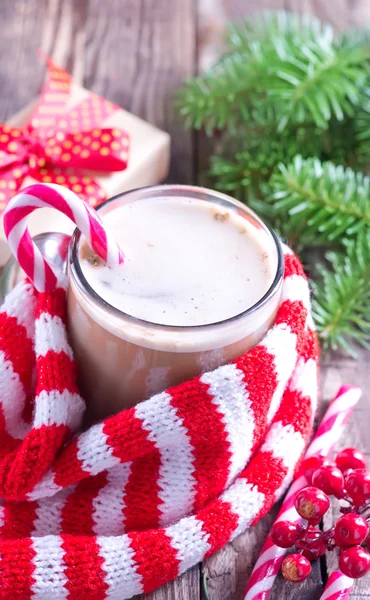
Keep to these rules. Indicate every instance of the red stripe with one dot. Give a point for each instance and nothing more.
(267, 472)
(53, 303)
(83, 568)
(26, 254)
(50, 197)
(56, 371)
(293, 314)
(295, 410)
(98, 236)
(206, 430)
(17, 348)
(293, 266)
(22, 469)
(267, 568)
(311, 348)
(18, 519)
(219, 522)
(142, 502)
(68, 467)
(126, 436)
(77, 513)
(16, 569)
(260, 382)
(13, 216)
(156, 559)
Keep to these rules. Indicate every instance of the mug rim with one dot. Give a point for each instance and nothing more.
(218, 197)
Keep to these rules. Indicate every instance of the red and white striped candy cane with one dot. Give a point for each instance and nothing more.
(41, 195)
(329, 431)
(338, 587)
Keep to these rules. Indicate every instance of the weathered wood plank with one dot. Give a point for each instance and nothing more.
(21, 73)
(137, 52)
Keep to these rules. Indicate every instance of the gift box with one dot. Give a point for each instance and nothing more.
(62, 137)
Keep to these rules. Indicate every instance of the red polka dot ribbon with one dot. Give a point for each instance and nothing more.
(61, 145)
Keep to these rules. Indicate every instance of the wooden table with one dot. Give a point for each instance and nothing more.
(137, 53)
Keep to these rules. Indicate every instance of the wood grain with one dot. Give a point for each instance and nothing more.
(137, 53)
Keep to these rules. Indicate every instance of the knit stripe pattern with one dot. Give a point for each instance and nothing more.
(139, 498)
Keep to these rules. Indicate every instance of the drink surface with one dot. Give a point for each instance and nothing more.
(188, 262)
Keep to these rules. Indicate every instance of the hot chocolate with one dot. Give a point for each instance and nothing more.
(182, 303)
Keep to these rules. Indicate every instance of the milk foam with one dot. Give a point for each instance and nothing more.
(188, 262)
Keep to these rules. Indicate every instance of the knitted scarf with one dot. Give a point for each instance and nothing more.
(136, 500)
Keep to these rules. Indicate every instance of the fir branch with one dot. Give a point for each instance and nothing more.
(324, 202)
(275, 24)
(295, 76)
(341, 299)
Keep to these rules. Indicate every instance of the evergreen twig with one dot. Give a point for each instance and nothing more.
(292, 102)
(342, 298)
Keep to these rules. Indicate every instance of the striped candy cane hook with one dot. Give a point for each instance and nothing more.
(41, 195)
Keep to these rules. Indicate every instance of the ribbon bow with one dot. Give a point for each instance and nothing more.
(58, 144)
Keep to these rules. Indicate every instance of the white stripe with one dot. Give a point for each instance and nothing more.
(23, 199)
(176, 480)
(50, 334)
(77, 206)
(304, 379)
(265, 584)
(189, 540)
(246, 501)
(45, 487)
(48, 573)
(120, 567)
(2, 515)
(344, 402)
(109, 503)
(11, 389)
(39, 271)
(285, 443)
(339, 585)
(295, 288)
(58, 408)
(21, 304)
(48, 519)
(281, 343)
(94, 452)
(227, 387)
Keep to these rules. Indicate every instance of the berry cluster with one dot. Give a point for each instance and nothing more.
(349, 482)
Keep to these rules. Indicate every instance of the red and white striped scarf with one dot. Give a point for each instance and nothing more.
(136, 500)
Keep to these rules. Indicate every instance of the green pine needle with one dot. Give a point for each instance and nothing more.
(341, 299)
(299, 73)
(323, 201)
(292, 101)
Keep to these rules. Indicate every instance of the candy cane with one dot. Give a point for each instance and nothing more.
(329, 431)
(338, 587)
(37, 268)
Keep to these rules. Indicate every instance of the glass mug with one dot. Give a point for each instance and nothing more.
(123, 359)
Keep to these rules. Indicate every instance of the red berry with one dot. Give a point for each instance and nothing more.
(350, 458)
(311, 547)
(330, 480)
(354, 562)
(357, 485)
(296, 567)
(311, 504)
(284, 534)
(350, 530)
(310, 465)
